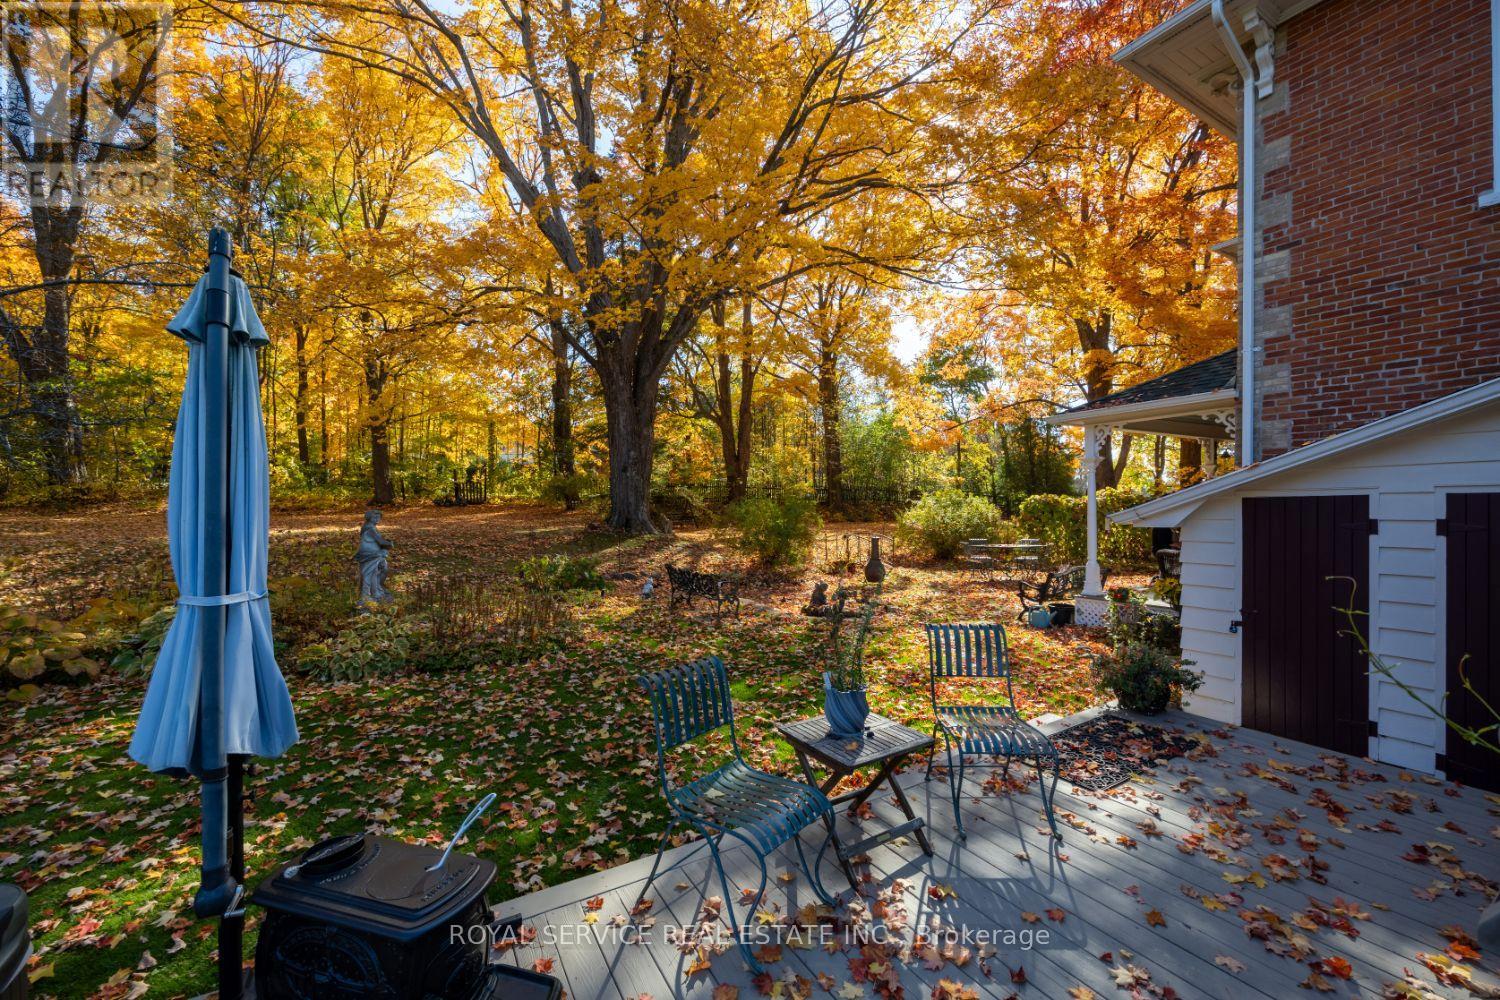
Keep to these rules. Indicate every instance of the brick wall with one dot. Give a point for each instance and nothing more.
(1381, 275)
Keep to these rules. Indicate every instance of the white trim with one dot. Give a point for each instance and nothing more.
(1251, 89)
(1200, 93)
(1491, 198)
(1169, 510)
(1198, 404)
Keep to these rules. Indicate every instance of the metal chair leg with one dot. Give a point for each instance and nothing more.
(734, 923)
(955, 786)
(812, 874)
(932, 754)
(1049, 798)
(661, 849)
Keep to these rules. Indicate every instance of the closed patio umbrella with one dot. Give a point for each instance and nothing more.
(216, 694)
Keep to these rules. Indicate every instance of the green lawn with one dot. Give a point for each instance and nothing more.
(108, 852)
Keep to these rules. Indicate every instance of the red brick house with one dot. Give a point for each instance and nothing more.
(1363, 400)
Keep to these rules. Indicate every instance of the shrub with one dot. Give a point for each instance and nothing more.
(377, 642)
(31, 646)
(1131, 624)
(941, 522)
(445, 623)
(1062, 522)
(1143, 677)
(777, 532)
(568, 490)
(558, 573)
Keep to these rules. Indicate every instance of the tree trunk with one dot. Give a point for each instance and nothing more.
(1116, 470)
(829, 409)
(562, 406)
(383, 491)
(44, 359)
(1189, 461)
(630, 416)
(731, 417)
(301, 403)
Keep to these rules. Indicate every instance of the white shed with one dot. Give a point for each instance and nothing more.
(1412, 503)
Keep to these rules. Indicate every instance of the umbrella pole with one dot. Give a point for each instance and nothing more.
(219, 892)
(232, 923)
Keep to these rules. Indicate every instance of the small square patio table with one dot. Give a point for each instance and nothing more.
(885, 745)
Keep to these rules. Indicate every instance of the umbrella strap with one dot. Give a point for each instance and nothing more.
(242, 597)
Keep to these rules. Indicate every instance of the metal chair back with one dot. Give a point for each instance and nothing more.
(687, 702)
(968, 651)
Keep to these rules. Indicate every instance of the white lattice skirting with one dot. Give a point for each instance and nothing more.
(1091, 610)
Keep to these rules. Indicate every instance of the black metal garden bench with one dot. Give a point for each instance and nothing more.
(686, 584)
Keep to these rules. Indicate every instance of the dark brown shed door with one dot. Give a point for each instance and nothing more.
(1302, 678)
(1473, 627)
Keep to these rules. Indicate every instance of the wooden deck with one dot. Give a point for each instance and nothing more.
(1236, 873)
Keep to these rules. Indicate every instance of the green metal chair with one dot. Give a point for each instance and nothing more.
(978, 651)
(760, 810)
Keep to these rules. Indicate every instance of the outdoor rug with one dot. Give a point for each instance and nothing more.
(1106, 750)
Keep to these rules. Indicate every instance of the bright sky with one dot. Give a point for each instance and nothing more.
(909, 338)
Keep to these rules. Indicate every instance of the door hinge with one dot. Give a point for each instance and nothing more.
(1374, 526)
(1374, 727)
(1441, 762)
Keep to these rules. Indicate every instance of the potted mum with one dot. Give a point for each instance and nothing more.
(845, 701)
(1143, 678)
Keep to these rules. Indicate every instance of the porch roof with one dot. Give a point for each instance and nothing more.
(1187, 402)
(1171, 510)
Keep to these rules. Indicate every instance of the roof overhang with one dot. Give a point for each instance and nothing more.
(1184, 57)
(1171, 510)
(1177, 416)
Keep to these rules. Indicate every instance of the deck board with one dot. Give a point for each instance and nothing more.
(1104, 887)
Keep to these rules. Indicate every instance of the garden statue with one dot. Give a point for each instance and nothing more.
(817, 604)
(648, 589)
(374, 562)
(875, 569)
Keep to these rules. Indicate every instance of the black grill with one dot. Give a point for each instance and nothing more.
(367, 920)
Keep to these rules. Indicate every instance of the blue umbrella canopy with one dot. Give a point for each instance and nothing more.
(256, 708)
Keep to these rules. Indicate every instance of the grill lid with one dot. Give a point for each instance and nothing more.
(365, 882)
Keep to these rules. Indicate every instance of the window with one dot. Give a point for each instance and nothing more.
(1492, 196)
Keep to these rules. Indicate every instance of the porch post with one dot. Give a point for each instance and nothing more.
(1093, 585)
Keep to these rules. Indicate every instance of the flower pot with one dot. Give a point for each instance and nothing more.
(846, 711)
(1489, 926)
(1153, 707)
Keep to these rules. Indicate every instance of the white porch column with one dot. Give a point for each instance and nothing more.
(1093, 585)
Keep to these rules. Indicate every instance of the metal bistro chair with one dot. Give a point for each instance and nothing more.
(979, 652)
(761, 810)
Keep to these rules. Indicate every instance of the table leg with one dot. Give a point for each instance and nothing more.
(906, 808)
(883, 774)
(830, 820)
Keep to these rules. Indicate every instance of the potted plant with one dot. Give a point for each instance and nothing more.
(845, 703)
(1120, 595)
(1143, 678)
(1169, 589)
